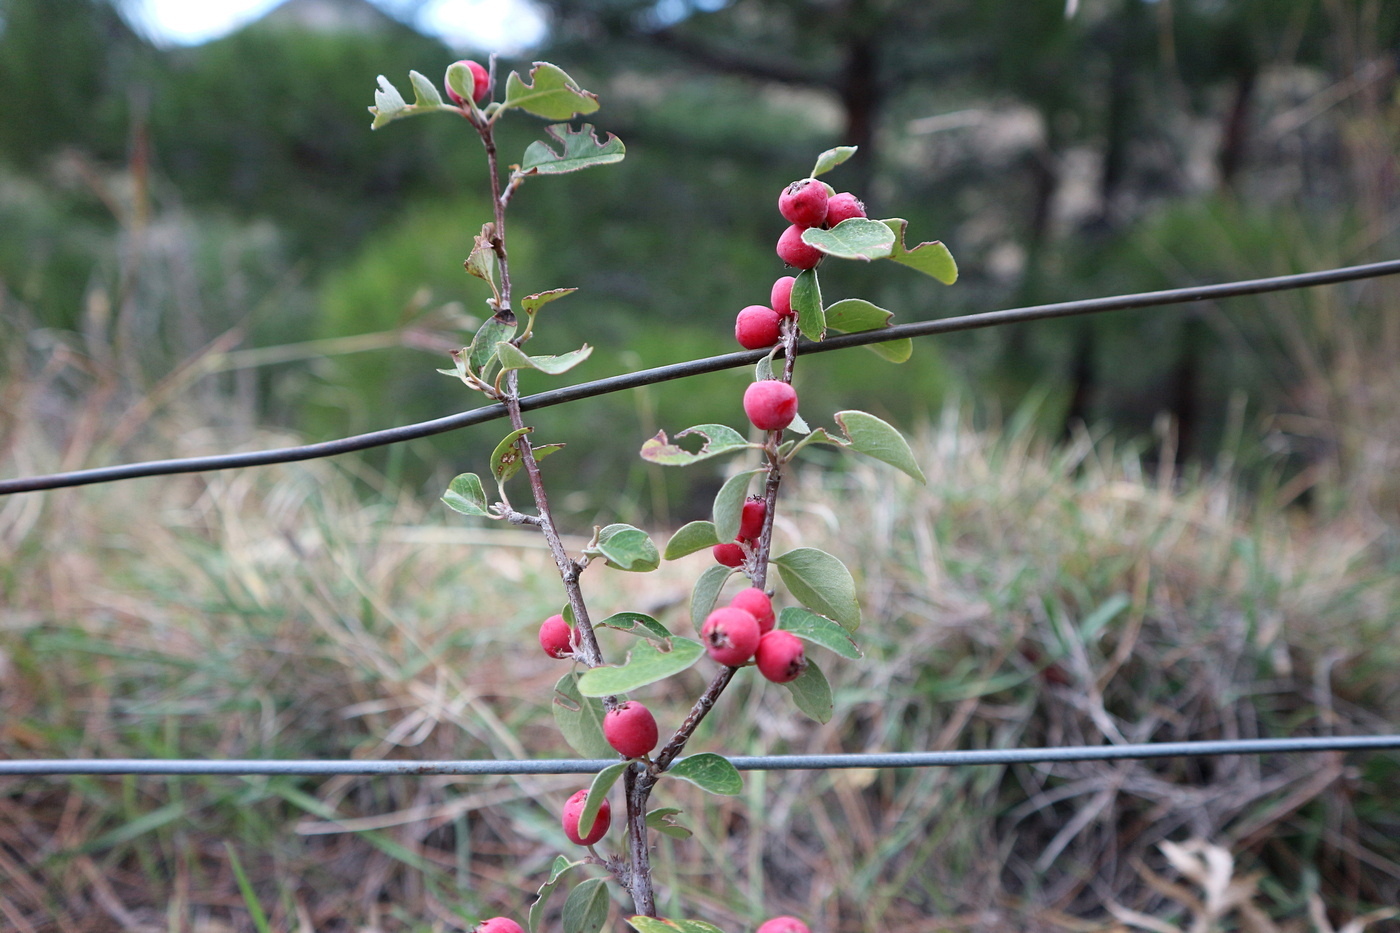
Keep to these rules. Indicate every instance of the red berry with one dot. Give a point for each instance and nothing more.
(556, 637)
(499, 925)
(756, 327)
(730, 635)
(631, 729)
(751, 520)
(780, 656)
(804, 203)
(793, 252)
(573, 807)
(781, 297)
(481, 83)
(770, 404)
(730, 555)
(756, 602)
(784, 925)
(843, 206)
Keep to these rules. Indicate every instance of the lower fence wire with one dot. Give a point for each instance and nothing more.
(991, 756)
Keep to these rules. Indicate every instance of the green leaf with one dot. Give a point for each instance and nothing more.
(506, 459)
(551, 94)
(488, 337)
(706, 592)
(930, 258)
(807, 302)
(483, 260)
(662, 820)
(464, 494)
(461, 80)
(719, 439)
(854, 238)
(635, 623)
(425, 94)
(729, 505)
(689, 538)
(811, 692)
(709, 772)
(626, 548)
(580, 149)
(646, 663)
(658, 925)
(580, 719)
(586, 908)
(875, 438)
(819, 630)
(853, 315)
(531, 304)
(821, 582)
(831, 158)
(512, 357)
(597, 793)
(763, 369)
(556, 872)
(388, 103)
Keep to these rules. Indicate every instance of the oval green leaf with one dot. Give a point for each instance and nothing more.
(812, 693)
(646, 663)
(465, 494)
(586, 908)
(579, 149)
(729, 505)
(626, 548)
(807, 302)
(719, 439)
(706, 593)
(822, 583)
(506, 459)
(597, 793)
(425, 93)
(531, 304)
(879, 439)
(831, 158)
(580, 719)
(689, 538)
(819, 630)
(710, 772)
(856, 238)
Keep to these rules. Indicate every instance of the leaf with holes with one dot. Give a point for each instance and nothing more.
(819, 630)
(854, 238)
(930, 258)
(719, 439)
(626, 548)
(646, 663)
(822, 583)
(879, 439)
(550, 93)
(580, 719)
(812, 693)
(689, 538)
(709, 772)
(465, 494)
(512, 357)
(579, 149)
(586, 907)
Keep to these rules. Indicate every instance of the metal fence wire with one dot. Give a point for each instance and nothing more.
(329, 767)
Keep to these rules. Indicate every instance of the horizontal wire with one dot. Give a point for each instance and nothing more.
(991, 756)
(693, 368)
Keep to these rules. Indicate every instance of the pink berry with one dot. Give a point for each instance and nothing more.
(631, 729)
(499, 925)
(573, 807)
(780, 656)
(804, 203)
(770, 404)
(481, 83)
(781, 297)
(556, 637)
(756, 602)
(730, 555)
(793, 252)
(751, 519)
(730, 635)
(784, 925)
(756, 327)
(843, 206)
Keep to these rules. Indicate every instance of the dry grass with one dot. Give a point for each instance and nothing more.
(1031, 595)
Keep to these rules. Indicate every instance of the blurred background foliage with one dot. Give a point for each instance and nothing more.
(158, 198)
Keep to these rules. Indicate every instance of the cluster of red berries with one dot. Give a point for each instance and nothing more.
(744, 630)
(732, 554)
(810, 203)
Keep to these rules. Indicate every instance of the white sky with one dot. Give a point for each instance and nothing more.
(507, 26)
